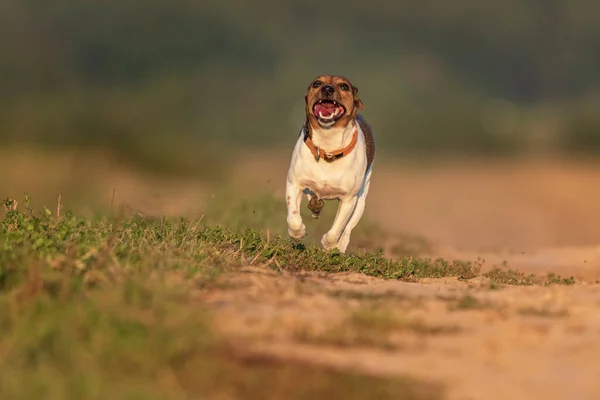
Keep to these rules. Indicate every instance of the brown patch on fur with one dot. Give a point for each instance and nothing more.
(315, 205)
(348, 98)
(369, 139)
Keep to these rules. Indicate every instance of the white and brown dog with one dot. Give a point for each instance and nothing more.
(332, 159)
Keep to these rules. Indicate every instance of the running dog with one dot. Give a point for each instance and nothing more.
(332, 159)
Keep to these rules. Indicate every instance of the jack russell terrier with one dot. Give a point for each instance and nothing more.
(332, 159)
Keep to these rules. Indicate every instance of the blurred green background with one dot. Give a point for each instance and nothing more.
(171, 84)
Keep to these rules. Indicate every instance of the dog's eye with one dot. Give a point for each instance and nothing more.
(316, 84)
(344, 87)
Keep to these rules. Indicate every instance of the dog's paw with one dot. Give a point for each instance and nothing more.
(316, 205)
(326, 244)
(297, 234)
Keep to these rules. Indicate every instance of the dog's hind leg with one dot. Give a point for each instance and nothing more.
(315, 205)
(356, 216)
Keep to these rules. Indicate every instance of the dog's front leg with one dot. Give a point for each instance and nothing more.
(293, 197)
(331, 239)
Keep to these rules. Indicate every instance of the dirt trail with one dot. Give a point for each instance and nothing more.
(515, 342)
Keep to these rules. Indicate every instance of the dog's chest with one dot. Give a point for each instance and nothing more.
(328, 181)
(324, 190)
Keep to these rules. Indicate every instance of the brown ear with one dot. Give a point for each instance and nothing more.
(357, 101)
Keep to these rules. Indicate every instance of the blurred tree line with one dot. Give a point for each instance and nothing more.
(169, 82)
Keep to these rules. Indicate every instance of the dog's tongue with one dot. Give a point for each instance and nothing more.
(325, 109)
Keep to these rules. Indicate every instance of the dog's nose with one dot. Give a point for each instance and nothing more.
(327, 90)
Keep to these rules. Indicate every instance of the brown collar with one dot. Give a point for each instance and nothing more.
(331, 155)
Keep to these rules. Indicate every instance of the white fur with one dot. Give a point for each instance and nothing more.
(343, 179)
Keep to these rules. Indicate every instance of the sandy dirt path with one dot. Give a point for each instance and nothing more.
(514, 342)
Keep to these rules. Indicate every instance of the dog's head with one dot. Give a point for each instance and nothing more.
(331, 100)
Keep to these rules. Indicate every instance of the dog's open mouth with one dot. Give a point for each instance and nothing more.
(328, 111)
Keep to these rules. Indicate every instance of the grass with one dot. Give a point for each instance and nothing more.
(106, 249)
(95, 309)
(553, 279)
(281, 253)
(103, 250)
(510, 277)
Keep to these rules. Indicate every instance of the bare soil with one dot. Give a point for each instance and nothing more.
(512, 343)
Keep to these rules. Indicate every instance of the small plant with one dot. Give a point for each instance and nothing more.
(553, 279)
(510, 277)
